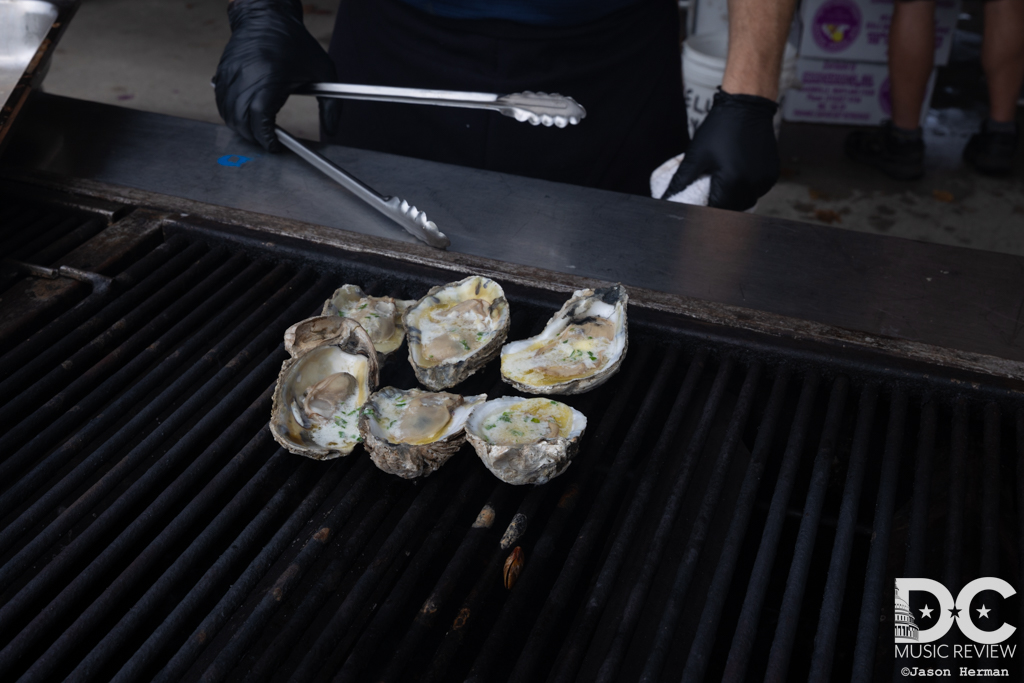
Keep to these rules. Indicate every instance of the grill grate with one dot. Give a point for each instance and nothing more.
(738, 510)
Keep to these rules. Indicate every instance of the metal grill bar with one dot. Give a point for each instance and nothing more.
(57, 330)
(356, 481)
(914, 565)
(757, 587)
(483, 530)
(700, 650)
(20, 562)
(273, 470)
(46, 412)
(485, 584)
(593, 529)
(1020, 514)
(990, 493)
(957, 493)
(290, 577)
(546, 546)
(110, 600)
(792, 599)
(54, 368)
(874, 581)
(699, 531)
(842, 546)
(578, 641)
(410, 523)
(656, 546)
(69, 418)
(388, 614)
(139, 422)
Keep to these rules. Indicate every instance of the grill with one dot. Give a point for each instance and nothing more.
(739, 509)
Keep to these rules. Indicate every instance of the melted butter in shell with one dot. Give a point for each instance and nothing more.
(579, 350)
(529, 422)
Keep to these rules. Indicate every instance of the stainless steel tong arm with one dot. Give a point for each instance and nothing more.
(398, 210)
(536, 107)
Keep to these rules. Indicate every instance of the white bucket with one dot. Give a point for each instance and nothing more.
(703, 67)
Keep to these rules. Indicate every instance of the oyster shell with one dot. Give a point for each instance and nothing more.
(380, 316)
(321, 388)
(580, 348)
(455, 330)
(411, 432)
(526, 440)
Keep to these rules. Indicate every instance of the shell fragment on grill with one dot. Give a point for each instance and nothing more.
(455, 330)
(322, 387)
(579, 349)
(526, 440)
(411, 432)
(380, 316)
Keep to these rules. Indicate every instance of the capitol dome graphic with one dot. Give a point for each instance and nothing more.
(903, 620)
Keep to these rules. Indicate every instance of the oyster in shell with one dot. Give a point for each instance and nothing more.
(526, 440)
(580, 348)
(380, 316)
(411, 432)
(455, 330)
(322, 387)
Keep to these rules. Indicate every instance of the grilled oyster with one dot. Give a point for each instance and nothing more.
(526, 440)
(455, 330)
(413, 432)
(380, 316)
(580, 348)
(322, 387)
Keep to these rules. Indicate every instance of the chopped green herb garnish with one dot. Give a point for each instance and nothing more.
(589, 337)
(359, 440)
(363, 306)
(341, 313)
(506, 416)
(479, 336)
(554, 403)
(592, 356)
(574, 355)
(392, 424)
(565, 341)
(490, 426)
(337, 421)
(516, 432)
(464, 344)
(537, 420)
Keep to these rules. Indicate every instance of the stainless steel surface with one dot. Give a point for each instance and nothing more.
(536, 107)
(23, 27)
(411, 219)
(29, 31)
(880, 287)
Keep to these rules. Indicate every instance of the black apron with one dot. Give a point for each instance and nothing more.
(624, 69)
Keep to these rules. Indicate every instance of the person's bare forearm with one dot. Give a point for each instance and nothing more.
(757, 39)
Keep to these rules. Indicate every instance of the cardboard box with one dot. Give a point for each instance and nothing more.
(858, 30)
(852, 93)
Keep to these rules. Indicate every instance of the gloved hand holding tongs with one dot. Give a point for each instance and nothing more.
(269, 56)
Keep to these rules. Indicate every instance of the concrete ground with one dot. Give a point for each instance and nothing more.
(159, 55)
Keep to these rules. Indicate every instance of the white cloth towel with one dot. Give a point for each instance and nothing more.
(696, 192)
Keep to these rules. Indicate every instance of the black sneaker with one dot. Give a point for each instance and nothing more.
(992, 152)
(899, 155)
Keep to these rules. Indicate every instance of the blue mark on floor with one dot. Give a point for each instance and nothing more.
(233, 160)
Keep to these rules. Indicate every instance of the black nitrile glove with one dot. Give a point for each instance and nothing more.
(270, 53)
(736, 146)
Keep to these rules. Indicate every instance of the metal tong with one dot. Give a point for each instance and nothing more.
(402, 212)
(536, 107)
